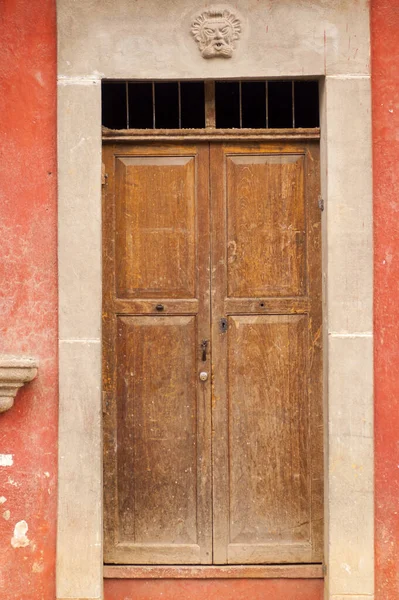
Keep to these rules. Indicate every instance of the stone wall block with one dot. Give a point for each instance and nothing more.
(349, 205)
(350, 467)
(143, 39)
(79, 539)
(79, 210)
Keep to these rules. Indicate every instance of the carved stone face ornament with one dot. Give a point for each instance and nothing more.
(215, 31)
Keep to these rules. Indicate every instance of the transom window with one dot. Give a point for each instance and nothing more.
(258, 104)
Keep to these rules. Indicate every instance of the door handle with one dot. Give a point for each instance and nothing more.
(204, 346)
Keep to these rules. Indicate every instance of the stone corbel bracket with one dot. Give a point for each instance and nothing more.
(15, 371)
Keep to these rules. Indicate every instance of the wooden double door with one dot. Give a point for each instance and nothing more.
(212, 353)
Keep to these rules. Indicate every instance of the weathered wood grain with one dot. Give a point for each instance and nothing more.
(267, 394)
(155, 238)
(156, 314)
(214, 572)
(262, 273)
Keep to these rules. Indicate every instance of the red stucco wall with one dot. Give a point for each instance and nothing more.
(385, 65)
(220, 589)
(28, 303)
(28, 298)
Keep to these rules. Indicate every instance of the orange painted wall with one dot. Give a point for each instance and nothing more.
(28, 296)
(385, 65)
(220, 589)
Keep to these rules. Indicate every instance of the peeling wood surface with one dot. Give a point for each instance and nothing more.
(208, 134)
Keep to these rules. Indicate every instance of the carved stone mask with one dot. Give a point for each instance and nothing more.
(215, 32)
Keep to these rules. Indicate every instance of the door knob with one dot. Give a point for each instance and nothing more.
(203, 375)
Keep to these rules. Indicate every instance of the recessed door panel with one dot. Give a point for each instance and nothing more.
(268, 432)
(266, 238)
(156, 430)
(155, 226)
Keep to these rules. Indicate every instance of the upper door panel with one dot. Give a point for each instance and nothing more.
(266, 242)
(155, 226)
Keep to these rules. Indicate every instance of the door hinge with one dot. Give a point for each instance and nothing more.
(321, 203)
(104, 175)
(106, 402)
(223, 325)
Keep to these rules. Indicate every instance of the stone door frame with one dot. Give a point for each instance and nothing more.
(347, 304)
